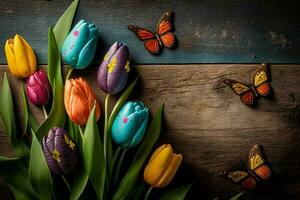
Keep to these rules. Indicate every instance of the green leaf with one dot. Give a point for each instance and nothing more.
(93, 155)
(39, 173)
(57, 114)
(7, 114)
(30, 121)
(80, 180)
(74, 133)
(54, 59)
(237, 197)
(14, 172)
(64, 23)
(123, 98)
(129, 180)
(177, 193)
(25, 109)
(137, 192)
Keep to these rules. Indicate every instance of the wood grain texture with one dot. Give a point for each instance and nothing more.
(206, 122)
(218, 31)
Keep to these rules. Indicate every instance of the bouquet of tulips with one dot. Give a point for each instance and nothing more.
(67, 156)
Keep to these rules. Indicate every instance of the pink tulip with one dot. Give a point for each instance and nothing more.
(38, 88)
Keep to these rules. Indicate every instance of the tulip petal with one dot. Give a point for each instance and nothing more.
(25, 57)
(143, 123)
(79, 100)
(38, 88)
(156, 168)
(117, 80)
(59, 151)
(120, 126)
(68, 156)
(78, 25)
(102, 76)
(93, 31)
(171, 171)
(48, 148)
(86, 55)
(117, 74)
(113, 71)
(124, 130)
(10, 57)
(74, 42)
(80, 106)
(157, 151)
(127, 109)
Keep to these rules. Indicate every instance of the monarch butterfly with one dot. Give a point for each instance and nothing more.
(258, 170)
(248, 93)
(154, 41)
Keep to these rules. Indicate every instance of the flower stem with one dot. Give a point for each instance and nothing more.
(66, 182)
(80, 131)
(45, 111)
(53, 194)
(114, 160)
(69, 73)
(148, 193)
(116, 175)
(105, 126)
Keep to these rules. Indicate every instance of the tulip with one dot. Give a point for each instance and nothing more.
(59, 151)
(162, 166)
(130, 125)
(20, 57)
(114, 69)
(79, 101)
(79, 48)
(38, 88)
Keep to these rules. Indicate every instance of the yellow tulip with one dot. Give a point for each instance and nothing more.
(20, 57)
(162, 166)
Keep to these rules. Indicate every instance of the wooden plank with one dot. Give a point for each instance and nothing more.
(213, 130)
(218, 31)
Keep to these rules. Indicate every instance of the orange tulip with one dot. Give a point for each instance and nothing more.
(162, 166)
(79, 101)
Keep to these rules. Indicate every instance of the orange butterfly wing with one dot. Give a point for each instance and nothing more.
(165, 23)
(248, 98)
(163, 34)
(152, 46)
(247, 181)
(258, 164)
(165, 28)
(244, 91)
(168, 39)
(261, 80)
(264, 89)
(142, 33)
(151, 43)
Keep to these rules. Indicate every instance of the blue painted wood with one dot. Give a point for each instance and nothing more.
(209, 31)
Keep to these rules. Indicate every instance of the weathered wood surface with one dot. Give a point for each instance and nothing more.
(231, 31)
(213, 130)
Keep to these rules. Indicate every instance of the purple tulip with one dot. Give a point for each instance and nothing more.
(59, 151)
(114, 69)
(38, 88)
